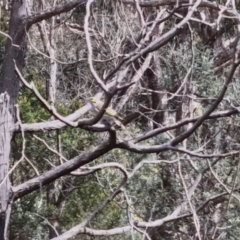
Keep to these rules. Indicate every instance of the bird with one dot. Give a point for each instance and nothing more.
(110, 114)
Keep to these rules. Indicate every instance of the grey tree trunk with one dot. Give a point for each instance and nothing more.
(5, 187)
(9, 87)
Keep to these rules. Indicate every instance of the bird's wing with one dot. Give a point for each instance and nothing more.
(111, 112)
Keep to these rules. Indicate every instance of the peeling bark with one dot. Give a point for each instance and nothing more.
(9, 87)
(5, 187)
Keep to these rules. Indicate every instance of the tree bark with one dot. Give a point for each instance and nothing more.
(15, 50)
(9, 87)
(5, 187)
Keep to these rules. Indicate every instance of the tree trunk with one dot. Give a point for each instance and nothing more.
(15, 50)
(5, 188)
(9, 87)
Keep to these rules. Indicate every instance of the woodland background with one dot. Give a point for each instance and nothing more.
(171, 70)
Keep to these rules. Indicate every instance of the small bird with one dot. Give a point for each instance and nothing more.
(110, 114)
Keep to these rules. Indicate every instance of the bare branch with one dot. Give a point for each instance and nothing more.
(89, 46)
(59, 171)
(204, 3)
(83, 171)
(181, 123)
(188, 132)
(77, 229)
(44, 15)
(53, 111)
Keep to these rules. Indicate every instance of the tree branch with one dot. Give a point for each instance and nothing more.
(66, 168)
(44, 15)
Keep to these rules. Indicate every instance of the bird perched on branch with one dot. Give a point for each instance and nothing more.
(110, 114)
